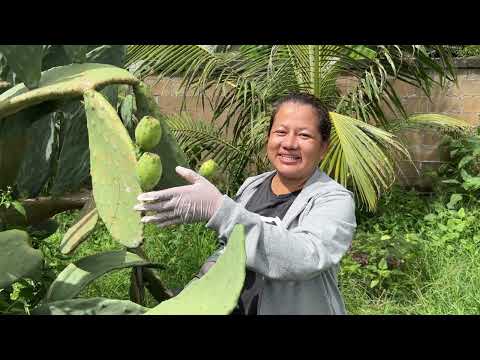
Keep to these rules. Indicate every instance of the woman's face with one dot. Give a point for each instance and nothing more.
(295, 146)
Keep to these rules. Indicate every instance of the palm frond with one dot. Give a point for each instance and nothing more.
(445, 122)
(360, 157)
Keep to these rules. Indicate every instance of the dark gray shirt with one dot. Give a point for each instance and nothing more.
(264, 202)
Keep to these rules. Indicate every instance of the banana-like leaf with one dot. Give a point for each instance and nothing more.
(61, 83)
(25, 61)
(36, 166)
(73, 165)
(79, 232)
(168, 149)
(127, 110)
(17, 257)
(93, 306)
(76, 53)
(70, 282)
(361, 155)
(13, 142)
(217, 292)
(113, 170)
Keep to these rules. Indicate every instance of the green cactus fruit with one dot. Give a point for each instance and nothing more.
(208, 168)
(149, 170)
(148, 133)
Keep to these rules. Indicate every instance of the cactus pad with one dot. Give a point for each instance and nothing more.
(70, 282)
(217, 292)
(93, 306)
(17, 257)
(113, 170)
(63, 82)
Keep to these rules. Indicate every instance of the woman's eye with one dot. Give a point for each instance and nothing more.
(304, 136)
(280, 132)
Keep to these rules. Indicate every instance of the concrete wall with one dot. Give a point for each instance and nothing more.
(460, 100)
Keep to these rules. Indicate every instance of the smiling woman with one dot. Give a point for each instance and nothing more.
(298, 221)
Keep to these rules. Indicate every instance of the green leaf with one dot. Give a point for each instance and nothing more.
(25, 61)
(17, 257)
(73, 164)
(70, 282)
(465, 160)
(472, 183)
(430, 217)
(451, 181)
(19, 207)
(461, 213)
(36, 166)
(454, 199)
(76, 53)
(383, 264)
(385, 237)
(217, 292)
(62, 83)
(127, 110)
(374, 283)
(93, 306)
(113, 170)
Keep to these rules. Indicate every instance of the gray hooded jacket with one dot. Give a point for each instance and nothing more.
(299, 256)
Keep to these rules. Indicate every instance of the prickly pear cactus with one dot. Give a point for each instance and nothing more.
(113, 170)
(168, 149)
(93, 306)
(79, 231)
(149, 170)
(63, 83)
(17, 257)
(217, 292)
(70, 282)
(148, 133)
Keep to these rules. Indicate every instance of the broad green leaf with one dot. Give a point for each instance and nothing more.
(13, 142)
(79, 231)
(93, 306)
(464, 161)
(374, 283)
(217, 292)
(17, 257)
(113, 164)
(70, 282)
(168, 149)
(73, 164)
(61, 83)
(36, 166)
(454, 199)
(127, 110)
(25, 61)
(76, 53)
(472, 183)
(19, 207)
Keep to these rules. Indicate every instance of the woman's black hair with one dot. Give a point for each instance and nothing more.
(324, 122)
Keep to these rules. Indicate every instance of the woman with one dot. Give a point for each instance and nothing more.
(298, 221)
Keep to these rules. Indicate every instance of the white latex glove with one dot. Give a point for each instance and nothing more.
(181, 204)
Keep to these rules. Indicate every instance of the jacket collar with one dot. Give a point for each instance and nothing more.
(309, 190)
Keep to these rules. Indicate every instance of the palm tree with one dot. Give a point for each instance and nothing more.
(244, 82)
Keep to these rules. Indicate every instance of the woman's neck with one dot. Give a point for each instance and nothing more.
(282, 186)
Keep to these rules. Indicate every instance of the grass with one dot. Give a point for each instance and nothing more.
(441, 274)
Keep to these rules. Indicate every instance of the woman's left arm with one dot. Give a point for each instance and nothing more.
(301, 253)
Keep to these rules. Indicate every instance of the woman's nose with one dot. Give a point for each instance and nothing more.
(290, 141)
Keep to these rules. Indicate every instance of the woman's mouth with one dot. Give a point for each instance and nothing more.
(289, 159)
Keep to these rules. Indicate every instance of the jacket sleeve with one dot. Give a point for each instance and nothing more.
(319, 241)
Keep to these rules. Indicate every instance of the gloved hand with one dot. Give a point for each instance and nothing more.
(181, 204)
